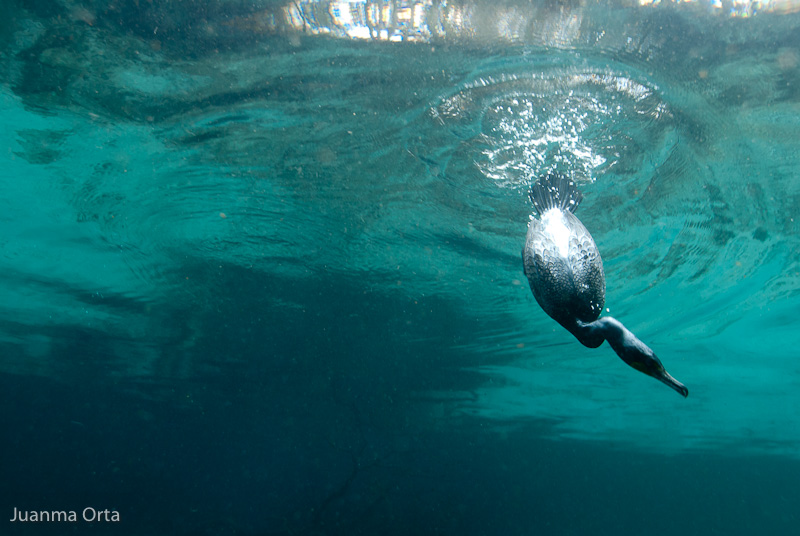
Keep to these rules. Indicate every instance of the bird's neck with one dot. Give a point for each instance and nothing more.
(592, 334)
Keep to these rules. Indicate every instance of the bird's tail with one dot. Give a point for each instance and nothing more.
(555, 191)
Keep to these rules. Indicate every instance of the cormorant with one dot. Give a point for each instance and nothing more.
(565, 273)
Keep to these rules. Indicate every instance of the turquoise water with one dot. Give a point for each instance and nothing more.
(262, 266)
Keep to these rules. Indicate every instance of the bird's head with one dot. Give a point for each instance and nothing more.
(639, 356)
(633, 351)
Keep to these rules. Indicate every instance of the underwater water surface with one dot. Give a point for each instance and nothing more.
(262, 275)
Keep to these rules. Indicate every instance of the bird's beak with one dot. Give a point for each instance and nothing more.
(665, 377)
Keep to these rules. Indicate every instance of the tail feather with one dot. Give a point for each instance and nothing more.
(555, 191)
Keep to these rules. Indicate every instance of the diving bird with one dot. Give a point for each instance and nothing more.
(566, 275)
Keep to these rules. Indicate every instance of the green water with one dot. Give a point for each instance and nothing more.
(262, 261)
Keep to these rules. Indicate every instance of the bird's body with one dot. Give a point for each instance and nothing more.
(565, 272)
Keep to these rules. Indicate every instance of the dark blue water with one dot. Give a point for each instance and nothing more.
(262, 267)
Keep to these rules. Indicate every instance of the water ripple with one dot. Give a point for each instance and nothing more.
(581, 120)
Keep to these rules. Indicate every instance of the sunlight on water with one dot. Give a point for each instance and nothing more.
(429, 20)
